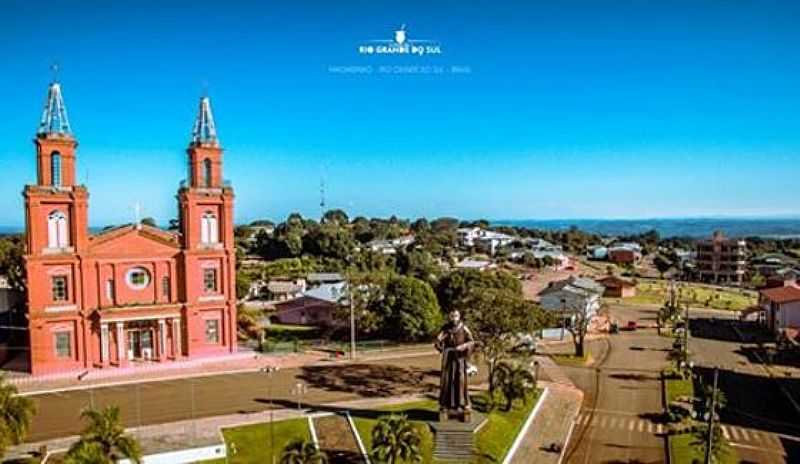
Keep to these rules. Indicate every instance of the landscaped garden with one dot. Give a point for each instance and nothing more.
(655, 292)
(251, 443)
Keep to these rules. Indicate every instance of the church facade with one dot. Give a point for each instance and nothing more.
(131, 294)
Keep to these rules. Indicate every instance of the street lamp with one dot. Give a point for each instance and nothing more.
(269, 370)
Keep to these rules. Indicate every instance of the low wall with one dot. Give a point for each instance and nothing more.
(190, 455)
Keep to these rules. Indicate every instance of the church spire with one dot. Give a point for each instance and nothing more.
(204, 132)
(54, 120)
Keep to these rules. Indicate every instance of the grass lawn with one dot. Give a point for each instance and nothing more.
(492, 441)
(251, 443)
(565, 359)
(683, 451)
(285, 332)
(496, 437)
(698, 296)
(679, 387)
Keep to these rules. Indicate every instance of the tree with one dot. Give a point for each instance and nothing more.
(302, 452)
(580, 315)
(335, 216)
(394, 438)
(496, 318)
(515, 381)
(368, 292)
(87, 453)
(454, 288)
(410, 309)
(105, 434)
(419, 264)
(16, 413)
(12, 263)
(662, 264)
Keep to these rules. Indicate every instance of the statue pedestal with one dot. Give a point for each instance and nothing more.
(455, 440)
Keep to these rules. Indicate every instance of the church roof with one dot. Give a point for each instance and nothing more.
(54, 116)
(205, 131)
(153, 232)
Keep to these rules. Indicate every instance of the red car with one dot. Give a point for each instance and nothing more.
(631, 325)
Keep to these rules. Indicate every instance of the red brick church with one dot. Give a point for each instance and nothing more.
(135, 293)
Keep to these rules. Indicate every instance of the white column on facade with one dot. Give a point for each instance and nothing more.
(120, 341)
(176, 336)
(162, 339)
(104, 343)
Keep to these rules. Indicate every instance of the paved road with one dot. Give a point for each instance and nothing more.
(168, 401)
(622, 396)
(758, 420)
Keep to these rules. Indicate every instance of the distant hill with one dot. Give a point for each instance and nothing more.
(678, 227)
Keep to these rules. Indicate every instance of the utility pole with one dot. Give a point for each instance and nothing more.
(351, 296)
(712, 418)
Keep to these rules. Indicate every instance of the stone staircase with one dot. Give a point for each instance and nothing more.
(454, 446)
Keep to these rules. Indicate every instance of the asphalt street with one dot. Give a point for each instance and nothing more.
(622, 398)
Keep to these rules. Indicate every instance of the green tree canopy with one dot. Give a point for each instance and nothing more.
(105, 434)
(455, 288)
(410, 309)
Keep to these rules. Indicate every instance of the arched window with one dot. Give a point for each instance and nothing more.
(207, 173)
(209, 231)
(57, 232)
(55, 168)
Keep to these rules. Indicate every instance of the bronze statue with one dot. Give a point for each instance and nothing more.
(455, 342)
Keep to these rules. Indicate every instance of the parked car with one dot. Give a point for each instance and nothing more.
(632, 325)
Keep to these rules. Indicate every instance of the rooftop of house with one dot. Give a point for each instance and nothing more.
(616, 281)
(325, 277)
(781, 295)
(583, 286)
(332, 293)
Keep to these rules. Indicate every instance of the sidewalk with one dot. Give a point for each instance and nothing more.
(238, 363)
(554, 420)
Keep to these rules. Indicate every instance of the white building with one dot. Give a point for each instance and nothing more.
(781, 308)
(478, 264)
(486, 240)
(390, 246)
(574, 294)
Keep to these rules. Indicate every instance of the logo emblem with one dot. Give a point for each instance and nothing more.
(400, 35)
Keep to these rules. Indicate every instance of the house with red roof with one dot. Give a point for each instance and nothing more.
(781, 307)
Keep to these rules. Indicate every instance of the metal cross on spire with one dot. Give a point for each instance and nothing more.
(54, 119)
(205, 131)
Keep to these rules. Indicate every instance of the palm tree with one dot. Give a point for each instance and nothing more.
(302, 452)
(104, 435)
(16, 413)
(516, 382)
(87, 453)
(395, 438)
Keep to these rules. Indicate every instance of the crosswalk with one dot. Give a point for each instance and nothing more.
(618, 421)
(628, 422)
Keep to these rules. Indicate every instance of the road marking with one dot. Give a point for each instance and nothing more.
(659, 429)
(649, 427)
(641, 426)
(631, 425)
(612, 424)
(725, 432)
(603, 422)
(734, 433)
(745, 435)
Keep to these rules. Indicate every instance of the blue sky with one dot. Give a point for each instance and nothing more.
(571, 109)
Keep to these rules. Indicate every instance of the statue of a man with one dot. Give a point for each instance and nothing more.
(455, 343)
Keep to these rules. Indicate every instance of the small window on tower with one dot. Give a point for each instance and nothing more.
(55, 168)
(209, 230)
(59, 289)
(207, 173)
(57, 234)
(210, 280)
(63, 344)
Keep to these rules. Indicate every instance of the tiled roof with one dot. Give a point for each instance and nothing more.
(785, 294)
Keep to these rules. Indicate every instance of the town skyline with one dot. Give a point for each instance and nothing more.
(573, 119)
